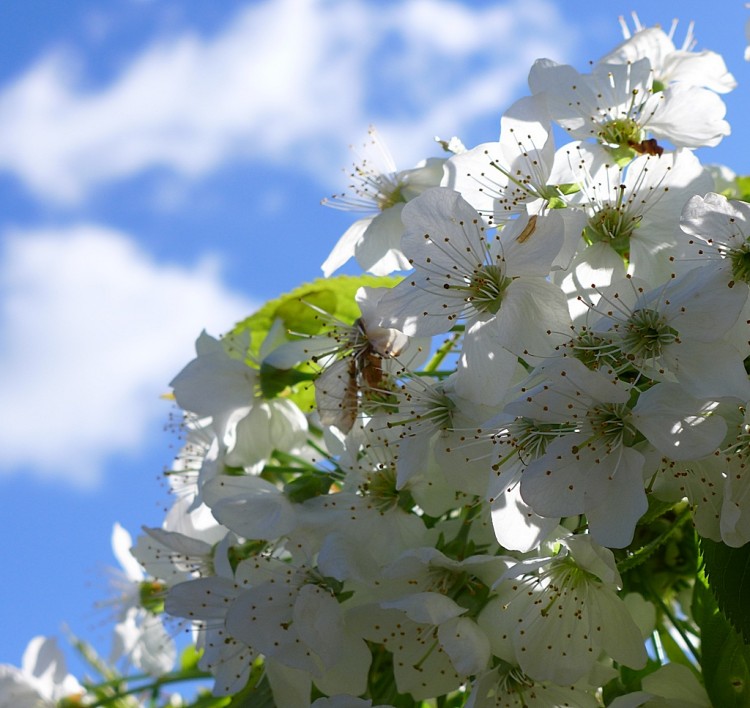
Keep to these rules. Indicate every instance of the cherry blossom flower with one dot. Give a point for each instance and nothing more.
(560, 613)
(506, 686)
(618, 105)
(41, 681)
(139, 635)
(205, 601)
(633, 209)
(670, 64)
(499, 287)
(504, 178)
(218, 383)
(595, 466)
(377, 186)
(675, 332)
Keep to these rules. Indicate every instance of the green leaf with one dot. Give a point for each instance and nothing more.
(628, 681)
(301, 310)
(557, 203)
(307, 486)
(308, 310)
(273, 381)
(738, 189)
(725, 659)
(189, 658)
(675, 653)
(743, 184)
(254, 696)
(728, 571)
(652, 534)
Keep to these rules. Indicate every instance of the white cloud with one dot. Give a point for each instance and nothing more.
(286, 80)
(93, 331)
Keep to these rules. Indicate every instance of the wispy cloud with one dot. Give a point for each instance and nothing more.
(286, 80)
(92, 330)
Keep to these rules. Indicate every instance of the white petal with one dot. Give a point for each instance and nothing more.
(121, 545)
(317, 618)
(516, 526)
(533, 318)
(291, 687)
(690, 117)
(426, 607)
(615, 498)
(442, 226)
(677, 682)
(620, 636)
(378, 251)
(466, 644)
(485, 369)
(678, 425)
(554, 485)
(530, 244)
(344, 248)
(213, 383)
(708, 369)
(202, 598)
(250, 506)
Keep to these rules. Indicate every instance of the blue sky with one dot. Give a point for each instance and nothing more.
(161, 167)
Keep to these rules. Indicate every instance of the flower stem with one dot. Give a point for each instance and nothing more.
(644, 552)
(443, 350)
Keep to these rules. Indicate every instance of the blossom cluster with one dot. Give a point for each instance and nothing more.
(478, 480)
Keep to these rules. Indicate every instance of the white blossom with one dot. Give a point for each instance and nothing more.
(618, 105)
(41, 681)
(563, 611)
(380, 190)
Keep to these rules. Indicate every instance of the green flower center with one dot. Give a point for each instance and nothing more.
(596, 351)
(609, 422)
(381, 489)
(740, 260)
(612, 225)
(531, 438)
(740, 445)
(566, 575)
(459, 585)
(152, 594)
(511, 679)
(432, 410)
(389, 196)
(622, 132)
(646, 335)
(487, 288)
